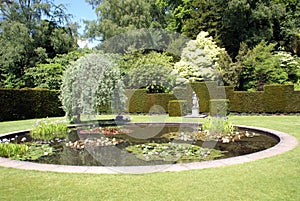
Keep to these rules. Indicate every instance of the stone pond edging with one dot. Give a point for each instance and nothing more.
(286, 143)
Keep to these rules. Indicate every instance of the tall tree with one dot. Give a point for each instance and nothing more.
(31, 32)
(290, 26)
(116, 17)
(249, 22)
(204, 15)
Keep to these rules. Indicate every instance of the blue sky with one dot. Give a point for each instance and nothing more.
(79, 9)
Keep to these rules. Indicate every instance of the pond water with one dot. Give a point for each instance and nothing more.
(149, 144)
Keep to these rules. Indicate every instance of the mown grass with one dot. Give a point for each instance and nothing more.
(275, 178)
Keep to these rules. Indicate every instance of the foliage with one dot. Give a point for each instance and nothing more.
(47, 130)
(199, 60)
(116, 17)
(48, 75)
(91, 84)
(31, 32)
(154, 78)
(218, 126)
(290, 26)
(249, 22)
(205, 16)
(35, 151)
(173, 152)
(133, 60)
(12, 150)
(262, 67)
(290, 64)
(19, 104)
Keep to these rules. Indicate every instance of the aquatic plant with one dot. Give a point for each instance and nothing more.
(173, 152)
(47, 130)
(218, 125)
(12, 150)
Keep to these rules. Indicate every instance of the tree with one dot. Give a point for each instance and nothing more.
(48, 75)
(200, 59)
(153, 77)
(261, 67)
(290, 27)
(92, 85)
(249, 22)
(116, 17)
(31, 32)
(206, 16)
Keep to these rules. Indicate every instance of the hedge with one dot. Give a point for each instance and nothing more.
(177, 108)
(158, 103)
(18, 104)
(277, 97)
(247, 102)
(136, 100)
(219, 107)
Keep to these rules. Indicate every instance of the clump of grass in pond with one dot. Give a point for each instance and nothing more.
(173, 152)
(218, 125)
(48, 130)
(12, 150)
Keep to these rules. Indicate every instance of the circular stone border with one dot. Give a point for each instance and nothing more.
(286, 143)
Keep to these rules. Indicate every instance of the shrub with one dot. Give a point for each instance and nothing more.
(28, 104)
(177, 108)
(136, 100)
(219, 107)
(154, 78)
(199, 60)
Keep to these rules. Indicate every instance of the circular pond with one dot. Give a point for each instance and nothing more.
(144, 147)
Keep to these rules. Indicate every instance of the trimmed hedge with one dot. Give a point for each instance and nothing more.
(277, 97)
(177, 108)
(18, 104)
(136, 100)
(247, 102)
(158, 103)
(219, 107)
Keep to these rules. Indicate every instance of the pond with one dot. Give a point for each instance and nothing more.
(143, 144)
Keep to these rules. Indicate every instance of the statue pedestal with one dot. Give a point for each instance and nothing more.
(195, 111)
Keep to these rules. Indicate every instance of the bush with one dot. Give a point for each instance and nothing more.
(11, 150)
(136, 100)
(19, 104)
(154, 78)
(219, 107)
(177, 108)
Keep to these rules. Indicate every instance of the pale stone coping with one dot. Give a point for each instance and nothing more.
(286, 143)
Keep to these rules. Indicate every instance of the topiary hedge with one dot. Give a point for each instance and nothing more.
(158, 102)
(247, 102)
(177, 108)
(219, 107)
(136, 100)
(277, 97)
(17, 104)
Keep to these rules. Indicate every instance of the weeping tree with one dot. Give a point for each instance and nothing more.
(92, 85)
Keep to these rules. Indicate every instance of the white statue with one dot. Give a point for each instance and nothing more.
(195, 100)
(195, 109)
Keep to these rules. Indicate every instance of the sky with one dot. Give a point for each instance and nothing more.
(80, 11)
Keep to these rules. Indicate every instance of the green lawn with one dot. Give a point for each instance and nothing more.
(275, 178)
